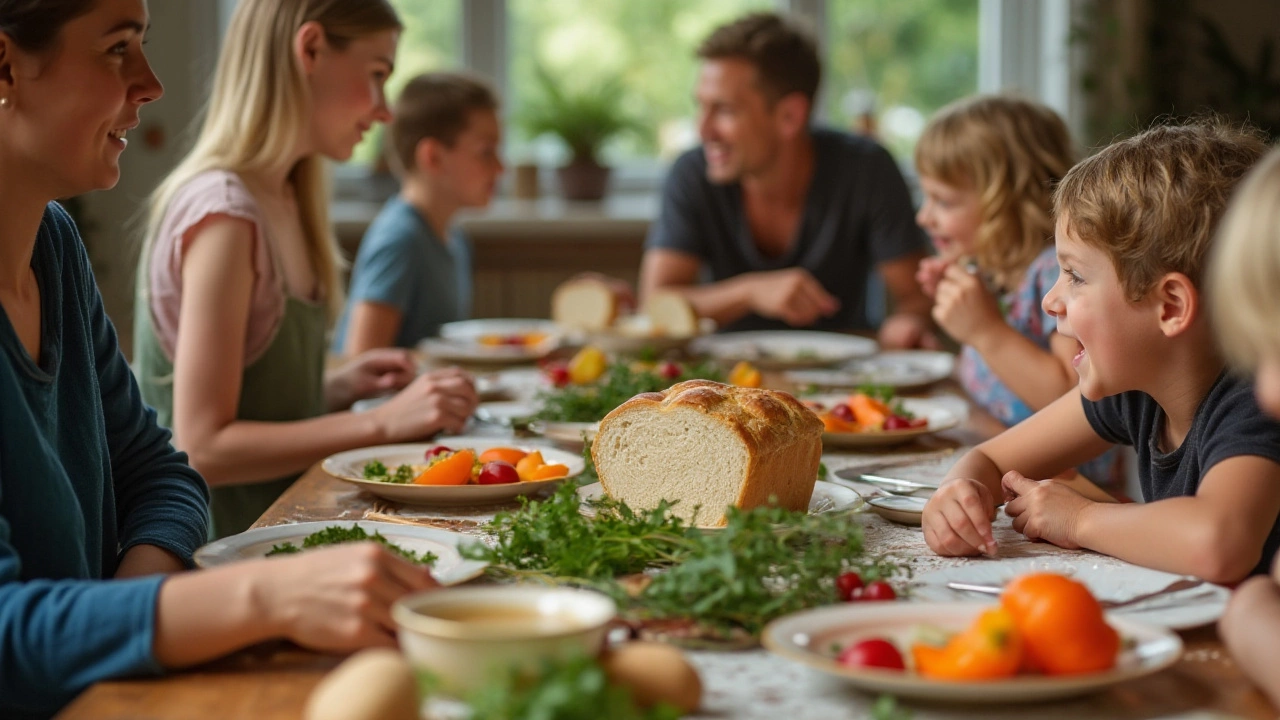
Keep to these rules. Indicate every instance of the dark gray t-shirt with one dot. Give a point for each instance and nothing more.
(1227, 424)
(858, 214)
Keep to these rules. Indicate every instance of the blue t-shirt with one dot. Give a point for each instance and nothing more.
(402, 263)
(1227, 424)
(857, 215)
(85, 474)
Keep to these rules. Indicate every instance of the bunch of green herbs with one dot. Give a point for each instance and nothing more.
(338, 535)
(378, 472)
(621, 382)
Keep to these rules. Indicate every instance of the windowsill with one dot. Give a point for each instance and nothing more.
(623, 214)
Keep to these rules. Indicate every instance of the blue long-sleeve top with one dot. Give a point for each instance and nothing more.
(85, 475)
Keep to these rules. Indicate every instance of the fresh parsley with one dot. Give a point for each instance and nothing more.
(590, 403)
(337, 535)
(765, 563)
(376, 471)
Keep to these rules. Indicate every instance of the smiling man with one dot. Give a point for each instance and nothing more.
(773, 223)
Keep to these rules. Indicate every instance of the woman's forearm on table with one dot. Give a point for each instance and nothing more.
(204, 615)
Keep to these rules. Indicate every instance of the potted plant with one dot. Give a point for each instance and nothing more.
(584, 118)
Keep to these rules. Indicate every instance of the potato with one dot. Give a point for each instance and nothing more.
(655, 673)
(370, 685)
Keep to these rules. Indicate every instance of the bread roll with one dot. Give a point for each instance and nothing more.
(711, 445)
(671, 315)
(584, 304)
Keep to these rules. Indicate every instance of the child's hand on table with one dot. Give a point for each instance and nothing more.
(1043, 509)
(957, 519)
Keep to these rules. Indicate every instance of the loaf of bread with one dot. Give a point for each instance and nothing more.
(671, 315)
(584, 304)
(708, 446)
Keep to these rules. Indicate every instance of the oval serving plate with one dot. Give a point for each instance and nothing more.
(938, 412)
(900, 369)
(827, 497)
(349, 467)
(784, 349)
(460, 341)
(809, 638)
(450, 568)
(1109, 580)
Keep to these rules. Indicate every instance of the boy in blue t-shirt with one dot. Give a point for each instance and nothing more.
(411, 273)
(1134, 225)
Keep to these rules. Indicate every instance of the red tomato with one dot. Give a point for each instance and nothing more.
(498, 472)
(558, 374)
(920, 422)
(876, 652)
(669, 371)
(847, 583)
(843, 411)
(878, 590)
(896, 422)
(437, 450)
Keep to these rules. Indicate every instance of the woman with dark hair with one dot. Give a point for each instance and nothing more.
(98, 513)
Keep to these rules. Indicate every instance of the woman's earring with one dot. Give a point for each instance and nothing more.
(4, 103)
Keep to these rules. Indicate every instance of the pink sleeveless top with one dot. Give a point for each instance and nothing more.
(206, 196)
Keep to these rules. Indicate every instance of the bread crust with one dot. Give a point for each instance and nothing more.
(605, 296)
(783, 438)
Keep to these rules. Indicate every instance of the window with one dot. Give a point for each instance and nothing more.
(896, 62)
(429, 42)
(649, 45)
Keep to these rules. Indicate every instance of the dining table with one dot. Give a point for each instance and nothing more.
(273, 681)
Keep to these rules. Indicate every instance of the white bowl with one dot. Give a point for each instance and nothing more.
(464, 654)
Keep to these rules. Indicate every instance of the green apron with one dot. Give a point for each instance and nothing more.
(283, 385)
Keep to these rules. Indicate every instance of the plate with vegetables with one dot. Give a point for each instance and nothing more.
(466, 471)
(899, 369)
(876, 417)
(493, 340)
(426, 545)
(1041, 647)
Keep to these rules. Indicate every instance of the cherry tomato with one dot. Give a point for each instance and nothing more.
(498, 472)
(669, 371)
(437, 450)
(878, 590)
(843, 411)
(514, 340)
(558, 374)
(920, 422)
(896, 422)
(876, 652)
(847, 583)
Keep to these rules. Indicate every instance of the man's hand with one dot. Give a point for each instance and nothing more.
(1044, 509)
(792, 295)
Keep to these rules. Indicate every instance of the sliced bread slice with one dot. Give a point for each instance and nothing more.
(670, 314)
(584, 304)
(708, 446)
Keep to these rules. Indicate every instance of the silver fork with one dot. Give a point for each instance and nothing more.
(1176, 586)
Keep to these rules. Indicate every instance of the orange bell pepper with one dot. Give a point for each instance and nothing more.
(989, 649)
(453, 470)
(505, 454)
(831, 423)
(868, 411)
(1062, 625)
(744, 374)
(547, 472)
(528, 464)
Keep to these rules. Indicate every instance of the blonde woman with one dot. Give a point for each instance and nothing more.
(98, 512)
(240, 276)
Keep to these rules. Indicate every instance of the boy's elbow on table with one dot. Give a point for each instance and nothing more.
(1222, 555)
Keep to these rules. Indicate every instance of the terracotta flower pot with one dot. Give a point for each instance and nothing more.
(583, 180)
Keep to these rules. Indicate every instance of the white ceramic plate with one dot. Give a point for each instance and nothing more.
(938, 413)
(632, 335)
(784, 349)
(349, 467)
(1108, 580)
(505, 413)
(827, 497)
(904, 509)
(460, 341)
(808, 638)
(898, 369)
(567, 433)
(449, 569)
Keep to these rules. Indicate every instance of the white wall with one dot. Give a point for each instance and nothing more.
(182, 48)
